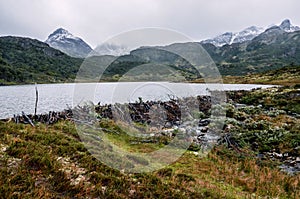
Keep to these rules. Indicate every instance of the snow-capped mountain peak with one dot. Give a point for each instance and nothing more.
(60, 34)
(288, 27)
(60, 31)
(248, 34)
(230, 37)
(64, 41)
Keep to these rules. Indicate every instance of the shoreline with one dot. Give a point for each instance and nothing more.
(139, 113)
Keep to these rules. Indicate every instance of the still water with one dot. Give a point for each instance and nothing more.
(56, 97)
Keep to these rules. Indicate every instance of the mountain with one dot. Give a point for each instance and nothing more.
(288, 27)
(247, 34)
(230, 37)
(220, 40)
(64, 41)
(111, 49)
(272, 49)
(25, 60)
(150, 63)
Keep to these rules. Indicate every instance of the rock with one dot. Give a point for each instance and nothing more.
(3, 148)
(77, 180)
(261, 156)
(285, 155)
(277, 155)
(168, 125)
(298, 159)
(177, 123)
(167, 131)
(204, 122)
(201, 135)
(204, 129)
(131, 192)
(182, 130)
(240, 105)
(13, 162)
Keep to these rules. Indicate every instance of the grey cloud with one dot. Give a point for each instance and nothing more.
(98, 20)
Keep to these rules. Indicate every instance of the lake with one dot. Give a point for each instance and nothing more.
(56, 97)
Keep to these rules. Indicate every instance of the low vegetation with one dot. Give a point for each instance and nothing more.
(25, 60)
(49, 161)
(289, 75)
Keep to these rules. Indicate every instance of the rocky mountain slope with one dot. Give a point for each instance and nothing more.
(252, 50)
(64, 41)
(272, 49)
(230, 37)
(247, 34)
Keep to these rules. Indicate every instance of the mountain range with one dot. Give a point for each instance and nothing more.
(272, 49)
(64, 41)
(248, 34)
(253, 50)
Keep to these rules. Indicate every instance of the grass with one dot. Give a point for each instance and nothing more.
(287, 76)
(50, 162)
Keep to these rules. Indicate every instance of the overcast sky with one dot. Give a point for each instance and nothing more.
(98, 20)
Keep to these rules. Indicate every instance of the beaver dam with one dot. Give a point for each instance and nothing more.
(255, 153)
(268, 128)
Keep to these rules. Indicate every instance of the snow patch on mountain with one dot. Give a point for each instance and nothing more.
(60, 35)
(64, 41)
(248, 34)
(288, 27)
(230, 37)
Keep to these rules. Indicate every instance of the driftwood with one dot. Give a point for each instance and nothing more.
(49, 118)
(27, 119)
(204, 103)
(143, 112)
(104, 111)
(140, 112)
(36, 100)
